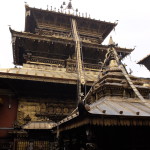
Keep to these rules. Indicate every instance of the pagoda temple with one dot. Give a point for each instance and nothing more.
(115, 114)
(64, 79)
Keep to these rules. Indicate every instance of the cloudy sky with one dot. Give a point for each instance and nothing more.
(133, 27)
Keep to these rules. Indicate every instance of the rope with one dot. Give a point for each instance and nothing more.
(78, 51)
(126, 76)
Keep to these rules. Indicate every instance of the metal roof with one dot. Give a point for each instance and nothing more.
(53, 74)
(111, 110)
(116, 106)
(120, 106)
(39, 125)
(106, 27)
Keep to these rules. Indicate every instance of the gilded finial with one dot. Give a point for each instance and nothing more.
(68, 7)
(111, 42)
(86, 15)
(76, 12)
(116, 21)
(61, 7)
(26, 5)
(9, 27)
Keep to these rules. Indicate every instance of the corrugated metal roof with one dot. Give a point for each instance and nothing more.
(120, 106)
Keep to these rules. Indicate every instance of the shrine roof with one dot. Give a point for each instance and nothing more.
(145, 61)
(26, 37)
(83, 22)
(146, 58)
(53, 74)
(65, 14)
(51, 38)
(120, 106)
(110, 111)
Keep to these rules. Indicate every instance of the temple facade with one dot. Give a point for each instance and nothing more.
(58, 58)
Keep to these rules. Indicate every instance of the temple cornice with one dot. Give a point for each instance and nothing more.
(63, 40)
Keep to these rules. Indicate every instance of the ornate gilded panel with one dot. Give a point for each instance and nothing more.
(43, 110)
(35, 145)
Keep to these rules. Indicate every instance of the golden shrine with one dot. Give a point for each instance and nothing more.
(64, 81)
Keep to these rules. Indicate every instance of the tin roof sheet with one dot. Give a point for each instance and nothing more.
(120, 106)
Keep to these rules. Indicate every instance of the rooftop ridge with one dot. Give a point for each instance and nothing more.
(78, 15)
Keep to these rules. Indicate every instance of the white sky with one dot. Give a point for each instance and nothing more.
(133, 28)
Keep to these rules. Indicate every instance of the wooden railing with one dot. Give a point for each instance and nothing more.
(70, 65)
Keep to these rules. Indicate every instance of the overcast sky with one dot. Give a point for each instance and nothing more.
(133, 27)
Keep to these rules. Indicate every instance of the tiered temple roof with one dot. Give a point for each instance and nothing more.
(112, 102)
(48, 35)
(51, 20)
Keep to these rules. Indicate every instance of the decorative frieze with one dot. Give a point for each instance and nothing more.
(43, 110)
